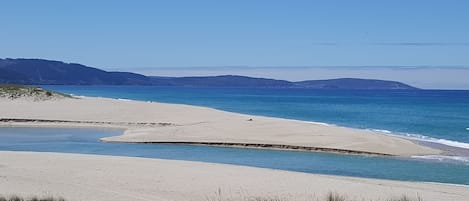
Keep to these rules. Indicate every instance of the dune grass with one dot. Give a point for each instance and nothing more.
(19, 91)
(34, 198)
(329, 197)
(337, 197)
(219, 197)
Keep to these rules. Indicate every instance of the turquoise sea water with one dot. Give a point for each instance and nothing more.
(86, 141)
(440, 116)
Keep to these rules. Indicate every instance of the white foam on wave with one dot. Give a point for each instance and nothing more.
(443, 158)
(467, 129)
(320, 123)
(424, 138)
(303, 121)
(451, 143)
(446, 184)
(123, 99)
(382, 131)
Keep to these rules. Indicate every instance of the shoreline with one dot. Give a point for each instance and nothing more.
(42, 123)
(448, 150)
(145, 122)
(450, 154)
(131, 178)
(116, 178)
(123, 126)
(267, 147)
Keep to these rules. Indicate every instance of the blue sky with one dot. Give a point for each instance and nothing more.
(157, 36)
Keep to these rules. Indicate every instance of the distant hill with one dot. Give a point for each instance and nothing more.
(221, 81)
(353, 83)
(46, 72)
(38, 71)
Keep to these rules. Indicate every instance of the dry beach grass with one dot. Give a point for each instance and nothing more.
(14, 92)
(328, 197)
(32, 198)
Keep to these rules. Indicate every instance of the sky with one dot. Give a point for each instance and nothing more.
(421, 42)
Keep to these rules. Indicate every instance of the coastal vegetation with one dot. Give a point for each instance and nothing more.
(29, 92)
(329, 197)
(34, 198)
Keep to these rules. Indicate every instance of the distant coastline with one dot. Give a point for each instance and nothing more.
(46, 72)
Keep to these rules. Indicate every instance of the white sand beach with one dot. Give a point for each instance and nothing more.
(310, 100)
(105, 178)
(159, 122)
(92, 177)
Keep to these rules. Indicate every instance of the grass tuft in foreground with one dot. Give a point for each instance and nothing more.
(219, 197)
(334, 197)
(18, 198)
(405, 198)
(329, 197)
(337, 197)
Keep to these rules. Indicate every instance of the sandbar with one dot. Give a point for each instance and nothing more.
(152, 122)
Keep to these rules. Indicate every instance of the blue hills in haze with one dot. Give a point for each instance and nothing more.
(46, 72)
